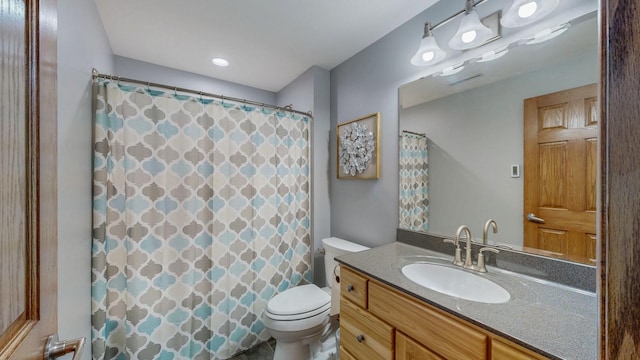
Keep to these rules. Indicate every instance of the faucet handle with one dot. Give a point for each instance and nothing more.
(457, 260)
(481, 264)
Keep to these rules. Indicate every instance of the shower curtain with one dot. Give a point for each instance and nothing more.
(413, 168)
(200, 216)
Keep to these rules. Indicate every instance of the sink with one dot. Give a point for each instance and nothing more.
(456, 282)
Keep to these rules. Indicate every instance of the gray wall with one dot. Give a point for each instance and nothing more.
(144, 71)
(82, 45)
(474, 137)
(366, 211)
(310, 91)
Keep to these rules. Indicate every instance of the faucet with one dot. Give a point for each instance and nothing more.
(485, 231)
(468, 261)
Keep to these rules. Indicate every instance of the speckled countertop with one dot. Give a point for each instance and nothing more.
(554, 320)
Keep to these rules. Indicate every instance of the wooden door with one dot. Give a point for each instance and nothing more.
(28, 203)
(560, 172)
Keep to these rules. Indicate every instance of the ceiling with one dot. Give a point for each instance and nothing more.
(268, 43)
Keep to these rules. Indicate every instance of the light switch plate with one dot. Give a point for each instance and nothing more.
(515, 171)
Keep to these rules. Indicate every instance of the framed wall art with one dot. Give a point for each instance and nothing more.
(358, 148)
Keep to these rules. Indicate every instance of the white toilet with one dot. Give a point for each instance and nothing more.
(299, 318)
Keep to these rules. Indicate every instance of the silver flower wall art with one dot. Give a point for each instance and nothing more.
(358, 148)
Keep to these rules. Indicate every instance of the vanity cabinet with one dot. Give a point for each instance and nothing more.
(380, 322)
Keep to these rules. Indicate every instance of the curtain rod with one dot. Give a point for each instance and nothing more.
(414, 133)
(289, 108)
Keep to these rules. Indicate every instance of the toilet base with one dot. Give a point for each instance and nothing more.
(321, 346)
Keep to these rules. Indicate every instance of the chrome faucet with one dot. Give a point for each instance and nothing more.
(468, 261)
(485, 231)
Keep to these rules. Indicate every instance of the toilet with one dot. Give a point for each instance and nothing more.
(299, 318)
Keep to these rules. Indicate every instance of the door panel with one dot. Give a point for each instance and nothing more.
(553, 161)
(560, 172)
(28, 202)
(13, 162)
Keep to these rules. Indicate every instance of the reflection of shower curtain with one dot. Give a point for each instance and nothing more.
(414, 200)
(201, 215)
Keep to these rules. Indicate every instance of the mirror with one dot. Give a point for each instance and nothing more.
(473, 123)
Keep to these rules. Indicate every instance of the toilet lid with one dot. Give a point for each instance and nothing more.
(298, 300)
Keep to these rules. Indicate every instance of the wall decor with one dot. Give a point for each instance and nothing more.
(358, 148)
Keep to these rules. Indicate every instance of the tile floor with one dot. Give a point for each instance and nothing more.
(263, 351)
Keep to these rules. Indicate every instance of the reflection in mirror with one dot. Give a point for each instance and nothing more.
(473, 126)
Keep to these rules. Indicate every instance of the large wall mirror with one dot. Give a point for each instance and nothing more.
(473, 124)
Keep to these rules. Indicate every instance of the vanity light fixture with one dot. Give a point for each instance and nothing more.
(493, 54)
(429, 52)
(453, 69)
(547, 34)
(519, 13)
(471, 32)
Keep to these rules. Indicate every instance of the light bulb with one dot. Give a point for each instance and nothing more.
(468, 36)
(428, 56)
(527, 9)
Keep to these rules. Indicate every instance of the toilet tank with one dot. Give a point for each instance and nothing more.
(333, 247)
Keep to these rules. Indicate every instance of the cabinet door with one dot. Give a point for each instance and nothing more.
(409, 349)
(448, 336)
(344, 354)
(502, 351)
(363, 335)
(353, 287)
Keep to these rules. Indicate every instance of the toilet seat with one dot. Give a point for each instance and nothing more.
(299, 308)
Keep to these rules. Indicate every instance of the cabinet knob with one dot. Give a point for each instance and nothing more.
(350, 288)
(360, 338)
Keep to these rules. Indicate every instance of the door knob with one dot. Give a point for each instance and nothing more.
(533, 218)
(55, 348)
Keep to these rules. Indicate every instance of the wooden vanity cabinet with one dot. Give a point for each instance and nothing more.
(380, 322)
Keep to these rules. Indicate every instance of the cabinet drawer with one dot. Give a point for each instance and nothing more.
(441, 333)
(409, 349)
(353, 286)
(344, 354)
(502, 351)
(363, 335)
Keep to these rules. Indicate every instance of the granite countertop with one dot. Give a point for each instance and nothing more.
(554, 320)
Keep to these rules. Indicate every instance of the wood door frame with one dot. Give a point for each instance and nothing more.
(40, 317)
(619, 217)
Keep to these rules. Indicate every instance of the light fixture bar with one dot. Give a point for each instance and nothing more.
(450, 18)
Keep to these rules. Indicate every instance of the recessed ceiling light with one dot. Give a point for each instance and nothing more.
(220, 62)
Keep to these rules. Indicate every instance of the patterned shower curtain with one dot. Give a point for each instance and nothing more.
(200, 216)
(413, 167)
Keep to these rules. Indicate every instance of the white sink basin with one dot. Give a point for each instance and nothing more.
(456, 282)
